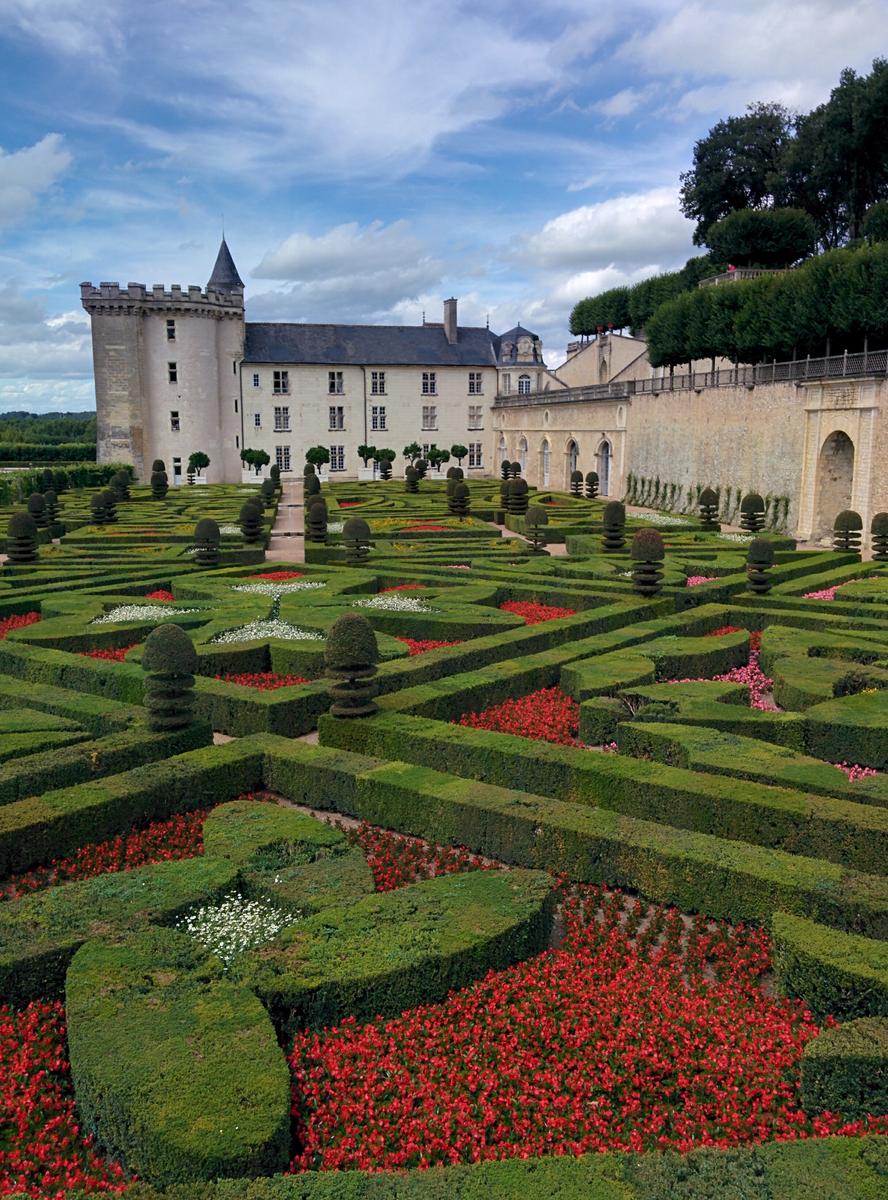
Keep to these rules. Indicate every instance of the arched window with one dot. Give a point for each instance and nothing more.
(503, 448)
(602, 371)
(522, 455)
(573, 454)
(604, 465)
(523, 385)
(546, 463)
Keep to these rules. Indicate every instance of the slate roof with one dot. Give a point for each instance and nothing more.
(368, 345)
(224, 277)
(514, 334)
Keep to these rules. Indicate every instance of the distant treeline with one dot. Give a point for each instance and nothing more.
(46, 452)
(47, 429)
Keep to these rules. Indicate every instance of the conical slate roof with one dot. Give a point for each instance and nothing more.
(224, 277)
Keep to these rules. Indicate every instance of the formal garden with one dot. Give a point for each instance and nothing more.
(510, 844)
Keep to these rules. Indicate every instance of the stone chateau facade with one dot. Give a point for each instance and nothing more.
(181, 370)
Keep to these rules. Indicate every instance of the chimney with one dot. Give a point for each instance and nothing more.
(450, 326)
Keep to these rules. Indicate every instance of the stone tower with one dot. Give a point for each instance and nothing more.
(167, 371)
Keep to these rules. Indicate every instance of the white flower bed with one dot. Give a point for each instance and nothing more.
(660, 519)
(335, 526)
(259, 631)
(234, 925)
(735, 537)
(230, 529)
(139, 612)
(278, 589)
(392, 602)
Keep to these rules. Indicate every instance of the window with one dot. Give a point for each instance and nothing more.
(257, 420)
(427, 447)
(476, 416)
(475, 454)
(523, 385)
(235, 404)
(255, 379)
(282, 457)
(377, 416)
(172, 372)
(237, 443)
(171, 330)
(377, 383)
(334, 383)
(337, 416)
(177, 470)
(429, 416)
(429, 383)
(507, 383)
(174, 421)
(281, 419)
(281, 383)
(337, 458)
(474, 383)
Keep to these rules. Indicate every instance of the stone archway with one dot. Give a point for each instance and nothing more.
(522, 455)
(545, 463)
(835, 480)
(605, 454)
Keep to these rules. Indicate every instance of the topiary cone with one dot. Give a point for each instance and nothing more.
(536, 520)
(847, 531)
(169, 661)
(120, 486)
(356, 535)
(460, 500)
(411, 480)
(317, 520)
(109, 502)
(613, 523)
(158, 465)
(752, 513)
(312, 486)
(879, 532)
(505, 469)
(591, 485)
(576, 483)
(647, 553)
(518, 499)
(37, 509)
(51, 501)
(21, 541)
(707, 506)
(160, 484)
(251, 522)
(759, 560)
(350, 658)
(206, 542)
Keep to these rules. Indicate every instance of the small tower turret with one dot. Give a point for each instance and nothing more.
(225, 277)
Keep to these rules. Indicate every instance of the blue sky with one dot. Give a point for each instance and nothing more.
(370, 157)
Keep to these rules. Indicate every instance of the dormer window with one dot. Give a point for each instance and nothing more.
(523, 385)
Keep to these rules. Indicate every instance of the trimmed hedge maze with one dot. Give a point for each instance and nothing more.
(594, 904)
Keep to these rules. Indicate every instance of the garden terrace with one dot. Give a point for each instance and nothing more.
(270, 883)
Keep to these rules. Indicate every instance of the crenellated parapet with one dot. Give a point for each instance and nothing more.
(135, 297)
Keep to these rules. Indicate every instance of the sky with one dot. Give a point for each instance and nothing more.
(368, 157)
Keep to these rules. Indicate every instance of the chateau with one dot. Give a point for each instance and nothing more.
(181, 370)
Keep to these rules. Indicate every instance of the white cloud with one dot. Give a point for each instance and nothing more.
(25, 174)
(345, 249)
(67, 26)
(35, 345)
(626, 231)
(623, 103)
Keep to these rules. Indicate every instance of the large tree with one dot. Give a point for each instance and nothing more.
(735, 166)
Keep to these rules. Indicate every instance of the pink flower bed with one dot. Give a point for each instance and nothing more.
(696, 580)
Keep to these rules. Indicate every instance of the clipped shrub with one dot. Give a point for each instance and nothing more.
(268, 490)
(759, 560)
(251, 522)
(535, 522)
(206, 542)
(752, 513)
(455, 473)
(846, 1070)
(160, 484)
(518, 501)
(576, 483)
(308, 469)
(647, 553)
(459, 502)
(119, 485)
(275, 474)
(52, 506)
(613, 522)
(21, 538)
(879, 531)
(356, 536)
(707, 507)
(312, 486)
(411, 479)
(37, 509)
(591, 485)
(317, 520)
(385, 466)
(505, 469)
(421, 467)
(847, 531)
(169, 661)
(104, 510)
(158, 465)
(514, 470)
(350, 658)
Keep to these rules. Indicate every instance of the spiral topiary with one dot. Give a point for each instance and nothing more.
(411, 480)
(160, 484)
(518, 499)
(356, 535)
(707, 507)
(251, 524)
(591, 485)
(51, 501)
(169, 661)
(312, 486)
(647, 553)
(576, 483)
(103, 506)
(514, 470)
(879, 531)
(759, 560)
(317, 520)
(120, 486)
(21, 539)
(158, 465)
(460, 500)
(505, 469)
(534, 523)
(350, 658)
(613, 523)
(752, 513)
(206, 542)
(847, 531)
(37, 509)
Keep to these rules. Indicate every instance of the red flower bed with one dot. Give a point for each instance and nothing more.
(277, 575)
(419, 646)
(548, 715)
(396, 860)
(264, 681)
(533, 612)
(405, 587)
(160, 594)
(17, 621)
(350, 503)
(42, 1152)
(641, 1031)
(117, 655)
